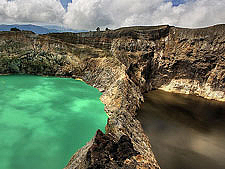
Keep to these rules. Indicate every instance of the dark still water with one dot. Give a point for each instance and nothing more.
(44, 120)
(186, 132)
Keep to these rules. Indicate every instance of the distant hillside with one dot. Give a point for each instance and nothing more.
(36, 29)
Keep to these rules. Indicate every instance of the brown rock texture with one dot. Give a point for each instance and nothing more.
(123, 64)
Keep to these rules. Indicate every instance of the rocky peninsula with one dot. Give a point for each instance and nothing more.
(123, 64)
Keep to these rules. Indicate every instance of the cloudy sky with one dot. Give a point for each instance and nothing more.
(88, 14)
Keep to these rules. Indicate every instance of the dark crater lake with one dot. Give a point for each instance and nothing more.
(45, 120)
(186, 132)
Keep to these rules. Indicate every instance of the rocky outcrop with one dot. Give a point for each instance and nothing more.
(123, 64)
(104, 152)
(177, 59)
(193, 61)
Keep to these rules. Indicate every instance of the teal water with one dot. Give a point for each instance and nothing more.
(44, 120)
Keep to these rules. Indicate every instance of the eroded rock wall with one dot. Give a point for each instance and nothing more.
(189, 61)
(192, 62)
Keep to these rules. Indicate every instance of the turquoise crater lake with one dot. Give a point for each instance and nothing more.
(44, 120)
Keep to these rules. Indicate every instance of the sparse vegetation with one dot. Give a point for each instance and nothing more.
(98, 29)
(15, 29)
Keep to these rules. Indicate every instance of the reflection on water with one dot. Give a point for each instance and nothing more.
(44, 120)
(186, 132)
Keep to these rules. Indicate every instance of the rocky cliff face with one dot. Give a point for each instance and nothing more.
(123, 64)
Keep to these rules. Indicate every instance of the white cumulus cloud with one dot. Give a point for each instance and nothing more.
(31, 11)
(194, 13)
(89, 14)
(112, 13)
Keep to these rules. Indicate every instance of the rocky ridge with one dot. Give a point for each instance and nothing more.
(123, 64)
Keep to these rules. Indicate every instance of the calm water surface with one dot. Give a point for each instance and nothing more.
(186, 132)
(44, 120)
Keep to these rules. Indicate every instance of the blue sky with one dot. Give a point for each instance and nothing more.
(89, 14)
(65, 2)
(178, 2)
